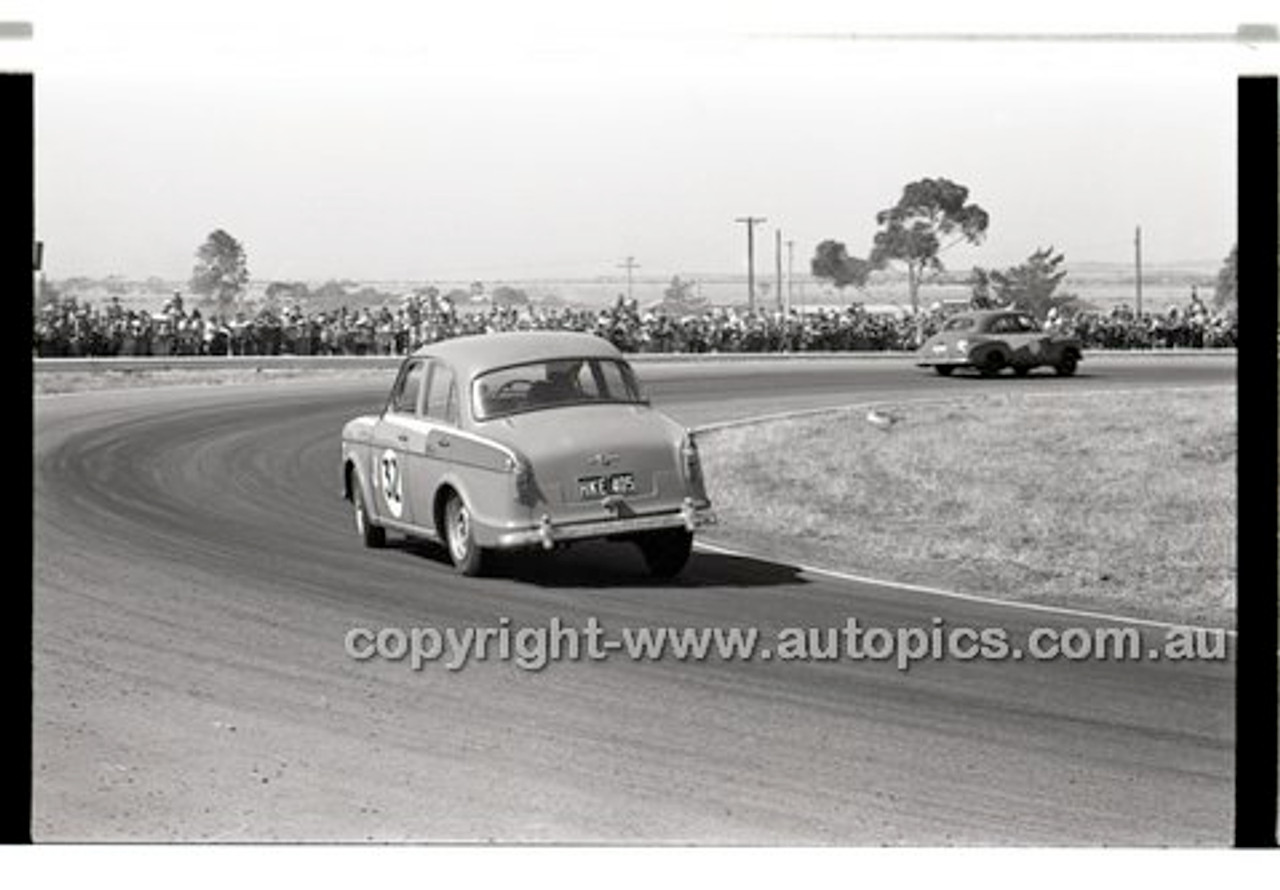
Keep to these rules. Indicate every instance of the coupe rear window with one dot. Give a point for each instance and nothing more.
(550, 384)
(959, 323)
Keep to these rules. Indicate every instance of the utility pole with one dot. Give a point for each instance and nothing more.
(751, 222)
(791, 257)
(629, 265)
(777, 267)
(1137, 260)
(37, 272)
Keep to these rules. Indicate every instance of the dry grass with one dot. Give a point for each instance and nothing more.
(1119, 502)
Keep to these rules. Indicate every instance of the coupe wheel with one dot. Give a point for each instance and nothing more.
(944, 370)
(372, 534)
(666, 552)
(991, 365)
(1066, 365)
(468, 557)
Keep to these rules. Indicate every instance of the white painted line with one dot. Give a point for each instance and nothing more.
(964, 597)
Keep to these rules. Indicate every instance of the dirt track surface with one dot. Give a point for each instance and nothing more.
(196, 573)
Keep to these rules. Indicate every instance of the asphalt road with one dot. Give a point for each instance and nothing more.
(196, 574)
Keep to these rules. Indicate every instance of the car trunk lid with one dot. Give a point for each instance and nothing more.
(582, 454)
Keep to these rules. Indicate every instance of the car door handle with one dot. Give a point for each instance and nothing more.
(402, 438)
(443, 441)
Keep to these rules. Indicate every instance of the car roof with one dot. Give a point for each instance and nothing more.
(476, 353)
(982, 317)
(988, 313)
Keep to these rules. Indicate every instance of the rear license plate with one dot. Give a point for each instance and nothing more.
(590, 487)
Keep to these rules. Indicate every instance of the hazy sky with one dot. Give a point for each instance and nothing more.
(393, 141)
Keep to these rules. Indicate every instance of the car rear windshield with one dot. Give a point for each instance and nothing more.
(550, 384)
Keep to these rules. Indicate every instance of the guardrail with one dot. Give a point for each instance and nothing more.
(356, 362)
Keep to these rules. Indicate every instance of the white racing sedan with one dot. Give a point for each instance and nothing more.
(524, 440)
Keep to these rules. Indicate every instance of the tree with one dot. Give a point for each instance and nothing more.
(1224, 292)
(931, 216)
(328, 296)
(832, 262)
(980, 283)
(507, 297)
(1029, 286)
(48, 292)
(680, 297)
(287, 291)
(371, 296)
(221, 271)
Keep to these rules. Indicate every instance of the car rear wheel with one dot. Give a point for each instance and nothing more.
(991, 365)
(1066, 365)
(372, 534)
(467, 556)
(944, 370)
(1022, 370)
(666, 552)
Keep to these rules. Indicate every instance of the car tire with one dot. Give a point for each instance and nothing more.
(992, 364)
(1022, 370)
(944, 370)
(666, 552)
(1066, 366)
(467, 556)
(373, 535)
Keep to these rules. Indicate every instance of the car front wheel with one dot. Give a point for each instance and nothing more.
(991, 365)
(666, 552)
(1066, 365)
(467, 556)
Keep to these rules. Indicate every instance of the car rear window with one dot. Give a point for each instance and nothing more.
(959, 323)
(550, 384)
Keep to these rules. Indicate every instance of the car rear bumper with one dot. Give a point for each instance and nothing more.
(547, 534)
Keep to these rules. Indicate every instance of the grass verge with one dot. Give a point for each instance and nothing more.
(1122, 503)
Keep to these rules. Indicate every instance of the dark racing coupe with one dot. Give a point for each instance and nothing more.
(991, 341)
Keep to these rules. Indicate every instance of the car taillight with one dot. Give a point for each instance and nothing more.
(526, 490)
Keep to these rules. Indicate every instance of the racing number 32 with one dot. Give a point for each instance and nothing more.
(392, 483)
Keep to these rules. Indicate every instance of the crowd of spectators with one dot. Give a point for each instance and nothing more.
(67, 327)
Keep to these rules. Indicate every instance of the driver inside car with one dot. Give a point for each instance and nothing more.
(561, 384)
